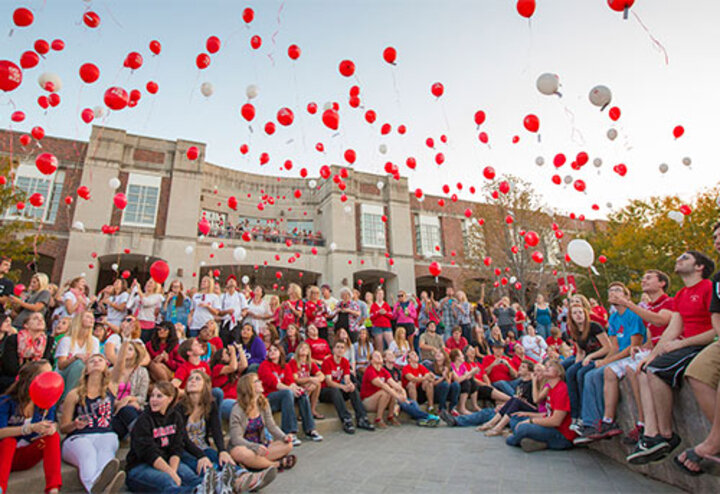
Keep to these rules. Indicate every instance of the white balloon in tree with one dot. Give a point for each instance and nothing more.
(676, 216)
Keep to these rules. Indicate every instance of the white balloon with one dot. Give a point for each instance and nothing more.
(612, 134)
(382, 148)
(600, 96)
(663, 168)
(82, 275)
(333, 246)
(581, 252)
(189, 250)
(312, 183)
(214, 246)
(380, 184)
(78, 225)
(252, 91)
(609, 205)
(98, 111)
(676, 216)
(52, 77)
(548, 84)
(687, 161)
(207, 89)
(327, 105)
(202, 263)
(245, 279)
(114, 183)
(568, 179)
(513, 279)
(539, 161)
(348, 209)
(239, 254)
(597, 162)
(114, 266)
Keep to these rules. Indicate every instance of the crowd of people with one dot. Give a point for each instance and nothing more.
(165, 367)
(271, 231)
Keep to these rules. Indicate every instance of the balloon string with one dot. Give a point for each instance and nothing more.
(274, 35)
(593, 283)
(576, 135)
(658, 46)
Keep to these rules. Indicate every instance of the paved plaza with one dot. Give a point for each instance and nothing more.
(416, 460)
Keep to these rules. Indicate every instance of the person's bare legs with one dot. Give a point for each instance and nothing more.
(474, 402)
(490, 423)
(632, 377)
(378, 342)
(159, 372)
(662, 396)
(705, 396)
(611, 392)
(498, 428)
(249, 459)
(388, 337)
(710, 447)
(279, 449)
(461, 404)
(499, 396)
(646, 398)
(314, 397)
(412, 391)
(429, 393)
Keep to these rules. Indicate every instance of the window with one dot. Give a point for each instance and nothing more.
(473, 239)
(217, 221)
(428, 236)
(372, 227)
(143, 192)
(31, 181)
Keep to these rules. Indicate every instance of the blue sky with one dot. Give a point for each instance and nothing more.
(485, 54)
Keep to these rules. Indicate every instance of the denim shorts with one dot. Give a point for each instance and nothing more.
(375, 330)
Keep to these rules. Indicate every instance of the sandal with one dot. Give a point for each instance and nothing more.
(318, 416)
(287, 462)
(691, 455)
(392, 420)
(380, 424)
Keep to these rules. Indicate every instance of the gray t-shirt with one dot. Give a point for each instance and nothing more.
(41, 296)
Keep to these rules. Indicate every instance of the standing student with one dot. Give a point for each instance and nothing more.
(7, 287)
(541, 316)
(348, 314)
(463, 314)
(405, 315)
(205, 306)
(293, 309)
(380, 315)
(233, 309)
(505, 316)
(147, 304)
(258, 310)
(316, 312)
(163, 351)
(176, 308)
(115, 302)
(28, 434)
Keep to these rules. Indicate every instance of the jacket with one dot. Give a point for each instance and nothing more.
(238, 424)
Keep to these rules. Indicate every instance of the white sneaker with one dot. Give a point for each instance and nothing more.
(295, 441)
(576, 426)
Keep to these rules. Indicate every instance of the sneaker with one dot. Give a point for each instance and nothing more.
(648, 450)
(116, 485)
(576, 426)
(365, 424)
(454, 413)
(428, 422)
(586, 435)
(210, 480)
(106, 476)
(295, 441)
(265, 477)
(633, 436)
(348, 427)
(227, 479)
(432, 410)
(314, 435)
(448, 418)
(531, 445)
(252, 482)
(606, 431)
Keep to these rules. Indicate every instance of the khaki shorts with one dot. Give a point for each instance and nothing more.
(706, 366)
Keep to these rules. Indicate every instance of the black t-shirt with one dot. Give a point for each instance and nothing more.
(524, 390)
(592, 344)
(715, 300)
(7, 287)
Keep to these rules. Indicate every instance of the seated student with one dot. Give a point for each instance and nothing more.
(464, 373)
(190, 351)
(208, 338)
(457, 340)
(282, 393)
(157, 442)
(128, 329)
(534, 345)
(523, 401)
(495, 336)
(28, 434)
(270, 335)
(499, 368)
(132, 382)
(87, 414)
(446, 391)
(555, 340)
(28, 345)
(248, 443)
(74, 350)
(101, 332)
(306, 374)
(389, 362)
(226, 367)
(319, 348)
(291, 340)
(418, 382)
(163, 351)
(400, 347)
(690, 330)
(552, 429)
(253, 347)
(342, 334)
(338, 387)
(362, 349)
(429, 342)
(478, 341)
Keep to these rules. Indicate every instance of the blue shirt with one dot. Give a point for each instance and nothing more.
(12, 416)
(624, 326)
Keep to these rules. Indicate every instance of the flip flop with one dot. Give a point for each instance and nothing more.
(318, 416)
(287, 462)
(691, 455)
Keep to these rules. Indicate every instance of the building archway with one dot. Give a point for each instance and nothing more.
(370, 280)
(137, 264)
(265, 276)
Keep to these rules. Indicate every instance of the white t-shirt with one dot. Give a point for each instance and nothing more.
(61, 311)
(237, 302)
(115, 316)
(63, 349)
(255, 312)
(148, 305)
(201, 315)
(535, 347)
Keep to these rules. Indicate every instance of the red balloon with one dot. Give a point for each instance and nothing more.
(125, 274)
(579, 185)
(43, 102)
(46, 163)
(10, 75)
(531, 123)
(46, 389)
(29, 59)
(213, 44)
(17, 116)
(255, 42)
(91, 19)
(133, 60)
(620, 5)
(24, 140)
(325, 172)
(678, 131)
(116, 98)
(479, 117)
(437, 89)
(37, 199)
(244, 148)
(232, 203)
(347, 68)
(385, 129)
(41, 46)
(439, 158)
(435, 269)
(152, 87)
(489, 172)
(685, 209)
(193, 153)
(354, 101)
(401, 129)
(532, 238)
(582, 158)
(87, 115)
(559, 234)
(159, 271)
(312, 108)
(526, 8)
(602, 259)
(54, 99)
(204, 226)
(483, 137)
(556, 179)
(57, 45)
(370, 116)
(620, 169)
(120, 200)
(331, 119)
(389, 55)
(248, 15)
(559, 160)
(23, 17)
(38, 132)
(285, 116)
(504, 187)
(468, 213)
(538, 257)
(269, 128)
(248, 111)
(350, 156)
(155, 47)
(411, 162)
(319, 146)
(294, 52)
(614, 113)
(83, 192)
(202, 61)
(89, 73)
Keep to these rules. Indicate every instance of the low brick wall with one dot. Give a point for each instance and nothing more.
(689, 423)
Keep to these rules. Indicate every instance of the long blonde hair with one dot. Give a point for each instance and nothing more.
(75, 330)
(296, 356)
(246, 396)
(401, 341)
(82, 385)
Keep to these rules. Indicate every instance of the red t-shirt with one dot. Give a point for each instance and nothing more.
(516, 361)
(559, 399)
(519, 321)
(337, 371)
(319, 348)
(316, 312)
(498, 373)
(223, 381)
(451, 344)
(418, 371)
(304, 370)
(271, 375)
(664, 302)
(183, 372)
(552, 341)
(380, 320)
(368, 388)
(216, 342)
(693, 304)
(599, 315)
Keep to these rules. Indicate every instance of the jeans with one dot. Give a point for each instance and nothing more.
(515, 404)
(550, 436)
(447, 393)
(575, 378)
(192, 462)
(124, 420)
(543, 330)
(71, 375)
(476, 418)
(593, 397)
(568, 362)
(507, 387)
(284, 401)
(217, 394)
(145, 478)
(412, 408)
(337, 397)
(226, 408)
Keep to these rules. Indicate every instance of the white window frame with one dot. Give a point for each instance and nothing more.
(372, 210)
(140, 180)
(30, 171)
(428, 248)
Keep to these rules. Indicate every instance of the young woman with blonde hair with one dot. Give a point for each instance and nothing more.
(400, 347)
(292, 310)
(307, 375)
(205, 306)
(146, 306)
(73, 351)
(37, 300)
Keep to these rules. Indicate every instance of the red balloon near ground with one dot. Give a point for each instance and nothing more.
(347, 68)
(38, 132)
(29, 59)
(526, 8)
(46, 163)
(437, 89)
(255, 42)
(46, 389)
(91, 19)
(602, 259)
(193, 153)
(389, 55)
(531, 123)
(678, 131)
(155, 47)
(24, 140)
(159, 271)
(504, 187)
(213, 44)
(489, 172)
(89, 73)
(116, 98)
(202, 61)
(614, 113)
(294, 52)
(685, 209)
(532, 238)
(23, 17)
(125, 274)
(10, 75)
(37, 200)
(435, 268)
(538, 257)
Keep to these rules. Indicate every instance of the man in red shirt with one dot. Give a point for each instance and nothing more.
(456, 341)
(416, 375)
(338, 387)
(689, 331)
(190, 351)
(499, 369)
